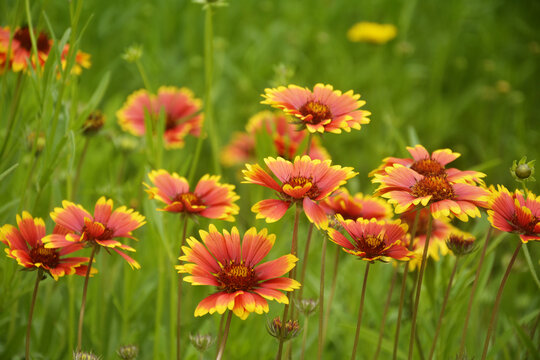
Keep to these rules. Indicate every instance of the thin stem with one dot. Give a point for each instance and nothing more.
(304, 338)
(225, 334)
(305, 259)
(179, 303)
(419, 285)
(495, 311)
(294, 245)
(360, 310)
(404, 285)
(309, 141)
(79, 168)
(321, 302)
(386, 306)
(220, 333)
(473, 291)
(31, 313)
(83, 304)
(209, 72)
(332, 292)
(531, 265)
(144, 77)
(13, 112)
(443, 308)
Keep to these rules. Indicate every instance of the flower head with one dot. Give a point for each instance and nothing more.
(210, 198)
(21, 48)
(461, 243)
(128, 352)
(321, 110)
(276, 329)
(25, 245)
(304, 181)
(371, 32)
(180, 108)
(357, 206)
(433, 164)
(82, 60)
(93, 123)
(100, 229)
(512, 212)
(286, 140)
(232, 267)
(406, 188)
(372, 239)
(523, 171)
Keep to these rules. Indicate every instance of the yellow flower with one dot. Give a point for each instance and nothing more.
(371, 32)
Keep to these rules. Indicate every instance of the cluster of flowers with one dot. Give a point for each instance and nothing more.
(16, 53)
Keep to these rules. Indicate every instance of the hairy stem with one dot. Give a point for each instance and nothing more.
(225, 334)
(386, 306)
(179, 303)
(360, 310)
(321, 302)
(31, 313)
(83, 303)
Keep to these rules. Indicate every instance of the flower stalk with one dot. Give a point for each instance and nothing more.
(225, 335)
(360, 310)
(83, 303)
(31, 313)
(179, 300)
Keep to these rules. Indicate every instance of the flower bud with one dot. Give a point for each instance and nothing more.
(523, 170)
(276, 329)
(80, 355)
(94, 122)
(201, 342)
(461, 244)
(128, 352)
(306, 306)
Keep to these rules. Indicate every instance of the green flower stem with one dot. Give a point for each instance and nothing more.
(360, 310)
(225, 334)
(332, 292)
(75, 184)
(294, 245)
(305, 259)
(419, 286)
(309, 142)
(83, 303)
(304, 337)
(320, 347)
(31, 313)
(495, 311)
(179, 304)
(209, 73)
(386, 306)
(144, 77)
(473, 291)
(404, 285)
(531, 265)
(443, 308)
(13, 112)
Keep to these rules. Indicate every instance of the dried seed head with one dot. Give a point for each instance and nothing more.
(276, 329)
(81, 355)
(201, 341)
(128, 352)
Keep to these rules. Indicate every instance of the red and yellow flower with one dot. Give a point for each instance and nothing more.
(21, 48)
(321, 110)
(82, 60)
(358, 206)
(304, 182)
(512, 212)
(372, 239)
(178, 105)
(431, 164)
(407, 189)
(286, 140)
(210, 198)
(25, 245)
(232, 266)
(101, 229)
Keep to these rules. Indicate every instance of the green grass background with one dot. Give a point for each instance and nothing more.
(460, 74)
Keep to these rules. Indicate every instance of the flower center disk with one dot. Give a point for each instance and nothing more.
(318, 111)
(372, 245)
(428, 167)
(437, 186)
(47, 257)
(301, 181)
(23, 37)
(236, 276)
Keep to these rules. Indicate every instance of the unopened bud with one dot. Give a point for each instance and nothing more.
(287, 332)
(523, 170)
(461, 244)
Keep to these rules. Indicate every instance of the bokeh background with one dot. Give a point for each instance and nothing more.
(460, 74)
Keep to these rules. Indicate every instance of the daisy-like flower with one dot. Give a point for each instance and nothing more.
(358, 206)
(372, 239)
(25, 245)
(433, 164)
(321, 110)
(304, 181)
(512, 212)
(232, 266)
(180, 108)
(21, 48)
(82, 60)
(407, 189)
(210, 198)
(286, 140)
(371, 32)
(101, 229)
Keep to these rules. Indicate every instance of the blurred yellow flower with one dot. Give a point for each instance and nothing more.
(371, 32)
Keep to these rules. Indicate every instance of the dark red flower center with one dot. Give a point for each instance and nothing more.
(301, 181)
(50, 258)
(428, 167)
(170, 122)
(237, 276)
(437, 186)
(317, 110)
(93, 231)
(22, 36)
(523, 227)
(189, 200)
(372, 245)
